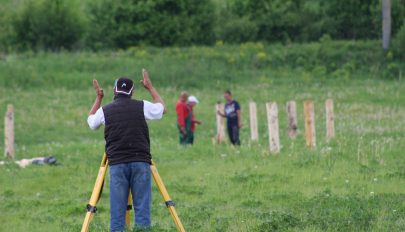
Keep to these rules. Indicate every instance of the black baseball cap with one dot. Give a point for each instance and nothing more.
(124, 85)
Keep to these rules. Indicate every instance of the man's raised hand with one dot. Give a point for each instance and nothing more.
(147, 84)
(99, 90)
(99, 98)
(146, 81)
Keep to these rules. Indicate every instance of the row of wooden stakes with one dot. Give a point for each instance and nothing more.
(273, 125)
(272, 121)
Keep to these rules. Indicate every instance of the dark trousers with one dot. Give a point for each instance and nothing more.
(187, 138)
(233, 133)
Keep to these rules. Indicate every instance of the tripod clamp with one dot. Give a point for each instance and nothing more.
(91, 208)
(169, 203)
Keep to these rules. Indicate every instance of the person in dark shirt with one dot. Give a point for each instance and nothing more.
(233, 116)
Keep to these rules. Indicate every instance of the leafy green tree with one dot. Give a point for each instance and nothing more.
(48, 24)
(399, 43)
(125, 23)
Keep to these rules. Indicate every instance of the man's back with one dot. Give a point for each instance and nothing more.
(126, 132)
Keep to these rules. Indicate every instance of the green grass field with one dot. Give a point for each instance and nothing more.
(354, 183)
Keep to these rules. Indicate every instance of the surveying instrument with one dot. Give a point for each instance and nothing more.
(98, 188)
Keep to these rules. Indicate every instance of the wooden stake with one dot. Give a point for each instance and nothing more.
(220, 123)
(9, 132)
(330, 126)
(272, 121)
(253, 121)
(309, 124)
(292, 119)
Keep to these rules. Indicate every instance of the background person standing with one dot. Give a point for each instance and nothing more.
(128, 148)
(182, 116)
(233, 117)
(191, 121)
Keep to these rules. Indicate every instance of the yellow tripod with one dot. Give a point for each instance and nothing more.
(98, 187)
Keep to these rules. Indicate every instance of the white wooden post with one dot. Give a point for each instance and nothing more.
(309, 124)
(272, 121)
(220, 123)
(9, 132)
(330, 126)
(253, 121)
(292, 119)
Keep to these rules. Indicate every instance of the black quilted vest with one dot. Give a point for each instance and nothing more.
(126, 132)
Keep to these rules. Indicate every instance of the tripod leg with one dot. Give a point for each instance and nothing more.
(166, 197)
(95, 195)
(127, 214)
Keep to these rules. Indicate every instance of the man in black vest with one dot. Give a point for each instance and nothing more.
(128, 147)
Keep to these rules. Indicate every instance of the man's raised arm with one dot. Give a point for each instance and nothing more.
(99, 97)
(152, 91)
(96, 115)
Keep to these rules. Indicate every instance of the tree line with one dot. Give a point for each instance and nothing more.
(119, 24)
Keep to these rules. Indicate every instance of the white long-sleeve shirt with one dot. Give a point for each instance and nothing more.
(151, 111)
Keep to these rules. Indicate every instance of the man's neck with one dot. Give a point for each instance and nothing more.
(120, 96)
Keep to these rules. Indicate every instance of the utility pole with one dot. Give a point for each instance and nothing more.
(386, 24)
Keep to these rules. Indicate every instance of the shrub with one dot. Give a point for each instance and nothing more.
(303, 21)
(398, 44)
(234, 24)
(5, 29)
(126, 23)
(56, 24)
(238, 30)
(47, 24)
